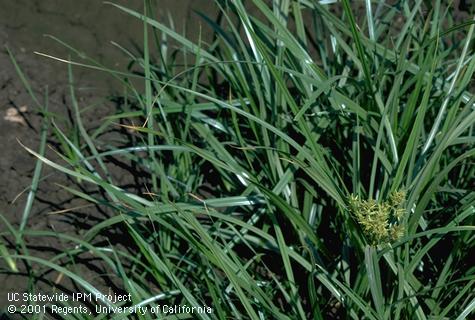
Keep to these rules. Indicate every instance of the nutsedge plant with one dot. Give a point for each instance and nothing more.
(311, 160)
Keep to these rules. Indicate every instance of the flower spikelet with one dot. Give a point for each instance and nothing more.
(381, 222)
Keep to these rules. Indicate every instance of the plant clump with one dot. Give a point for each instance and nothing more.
(381, 221)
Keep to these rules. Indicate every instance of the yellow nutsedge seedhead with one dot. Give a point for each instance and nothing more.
(396, 232)
(399, 213)
(354, 202)
(397, 198)
(379, 233)
(379, 221)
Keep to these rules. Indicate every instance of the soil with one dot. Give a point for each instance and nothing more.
(89, 25)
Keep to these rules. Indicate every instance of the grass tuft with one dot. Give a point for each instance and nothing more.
(273, 159)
